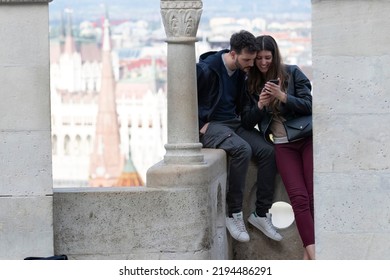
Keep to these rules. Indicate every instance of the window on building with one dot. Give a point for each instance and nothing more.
(67, 145)
(54, 145)
(78, 145)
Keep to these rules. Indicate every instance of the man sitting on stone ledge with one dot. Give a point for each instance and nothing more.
(221, 87)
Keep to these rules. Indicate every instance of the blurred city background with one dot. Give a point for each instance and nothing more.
(96, 143)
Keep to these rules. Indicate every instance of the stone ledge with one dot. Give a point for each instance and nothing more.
(133, 222)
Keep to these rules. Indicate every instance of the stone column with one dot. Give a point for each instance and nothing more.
(181, 19)
(351, 116)
(194, 178)
(26, 223)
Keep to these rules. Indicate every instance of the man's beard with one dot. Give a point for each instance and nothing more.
(239, 66)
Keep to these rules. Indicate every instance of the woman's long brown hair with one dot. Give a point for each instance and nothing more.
(257, 80)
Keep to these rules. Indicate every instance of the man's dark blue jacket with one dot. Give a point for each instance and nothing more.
(210, 89)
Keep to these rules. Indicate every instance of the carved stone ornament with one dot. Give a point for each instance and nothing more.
(181, 17)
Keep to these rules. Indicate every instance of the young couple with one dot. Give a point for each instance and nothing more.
(235, 96)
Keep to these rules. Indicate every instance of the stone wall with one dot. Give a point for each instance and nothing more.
(175, 217)
(25, 142)
(351, 137)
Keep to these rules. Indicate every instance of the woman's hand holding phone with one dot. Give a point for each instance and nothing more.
(265, 98)
(273, 88)
(276, 81)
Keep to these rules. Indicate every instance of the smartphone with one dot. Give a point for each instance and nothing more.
(276, 81)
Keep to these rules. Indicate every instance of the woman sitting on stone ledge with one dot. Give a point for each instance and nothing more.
(269, 105)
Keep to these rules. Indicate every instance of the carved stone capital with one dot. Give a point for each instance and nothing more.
(181, 17)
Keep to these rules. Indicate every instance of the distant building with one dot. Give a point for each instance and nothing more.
(129, 176)
(106, 160)
(74, 66)
(140, 96)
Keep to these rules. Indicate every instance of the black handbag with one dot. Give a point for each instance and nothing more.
(298, 128)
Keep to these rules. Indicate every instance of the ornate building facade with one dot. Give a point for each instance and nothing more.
(77, 80)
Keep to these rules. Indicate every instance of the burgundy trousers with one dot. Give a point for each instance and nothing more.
(295, 165)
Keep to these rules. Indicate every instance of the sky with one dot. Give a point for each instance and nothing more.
(150, 9)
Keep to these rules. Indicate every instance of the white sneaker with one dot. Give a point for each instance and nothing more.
(265, 225)
(236, 227)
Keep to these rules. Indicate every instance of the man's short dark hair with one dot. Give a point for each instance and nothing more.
(243, 40)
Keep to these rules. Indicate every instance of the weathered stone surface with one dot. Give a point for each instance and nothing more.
(351, 136)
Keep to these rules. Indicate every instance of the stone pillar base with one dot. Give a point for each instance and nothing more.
(184, 153)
